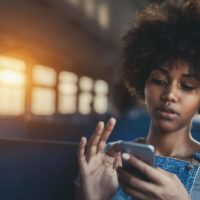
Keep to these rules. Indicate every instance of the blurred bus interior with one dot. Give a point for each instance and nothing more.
(59, 62)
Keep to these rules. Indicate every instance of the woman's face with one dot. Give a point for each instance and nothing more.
(172, 96)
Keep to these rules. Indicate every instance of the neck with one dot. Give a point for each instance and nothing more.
(173, 144)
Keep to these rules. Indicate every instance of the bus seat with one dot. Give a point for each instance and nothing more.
(37, 170)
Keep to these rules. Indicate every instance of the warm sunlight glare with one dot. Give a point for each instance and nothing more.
(11, 63)
(12, 77)
(12, 82)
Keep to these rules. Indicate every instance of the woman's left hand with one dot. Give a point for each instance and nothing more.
(162, 185)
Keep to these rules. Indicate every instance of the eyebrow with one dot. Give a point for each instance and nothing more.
(185, 75)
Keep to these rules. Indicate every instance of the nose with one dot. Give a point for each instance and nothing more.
(170, 93)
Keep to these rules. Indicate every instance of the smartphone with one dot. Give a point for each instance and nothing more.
(144, 152)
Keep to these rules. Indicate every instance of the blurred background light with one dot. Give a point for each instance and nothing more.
(101, 96)
(89, 7)
(12, 63)
(85, 101)
(86, 83)
(103, 16)
(43, 101)
(44, 75)
(12, 82)
(74, 2)
(67, 92)
(12, 77)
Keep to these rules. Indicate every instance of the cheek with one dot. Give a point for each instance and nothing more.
(193, 107)
(189, 104)
(151, 97)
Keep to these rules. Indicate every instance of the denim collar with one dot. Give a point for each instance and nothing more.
(196, 156)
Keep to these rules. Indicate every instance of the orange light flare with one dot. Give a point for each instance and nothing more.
(12, 77)
(12, 71)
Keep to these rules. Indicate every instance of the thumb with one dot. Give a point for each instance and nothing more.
(118, 160)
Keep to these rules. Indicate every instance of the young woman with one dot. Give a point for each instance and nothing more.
(162, 65)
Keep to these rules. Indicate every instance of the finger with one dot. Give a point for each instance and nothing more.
(136, 195)
(94, 140)
(135, 183)
(114, 150)
(164, 172)
(168, 175)
(106, 133)
(81, 153)
(152, 173)
(118, 160)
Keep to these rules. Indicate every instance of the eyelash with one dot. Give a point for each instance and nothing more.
(159, 81)
(187, 87)
(164, 82)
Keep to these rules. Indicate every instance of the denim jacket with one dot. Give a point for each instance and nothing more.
(187, 172)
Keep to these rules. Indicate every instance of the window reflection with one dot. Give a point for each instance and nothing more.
(86, 83)
(85, 102)
(101, 96)
(43, 101)
(43, 93)
(44, 75)
(11, 63)
(12, 82)
(85, 97)
(67, 92)
(11, 100)
(47, 95)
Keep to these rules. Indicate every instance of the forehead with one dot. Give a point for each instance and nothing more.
(177, 67)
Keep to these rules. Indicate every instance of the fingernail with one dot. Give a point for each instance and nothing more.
(113, 120)
(100, 123)
(83, 139)
(125, 156)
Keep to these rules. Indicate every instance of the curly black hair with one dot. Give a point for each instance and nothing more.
(161, 32)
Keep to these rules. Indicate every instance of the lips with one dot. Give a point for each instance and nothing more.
(168, 113)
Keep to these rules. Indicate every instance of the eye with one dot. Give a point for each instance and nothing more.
(187, 87)
(159, 81)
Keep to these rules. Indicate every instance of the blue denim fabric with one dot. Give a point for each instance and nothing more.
(184, 170)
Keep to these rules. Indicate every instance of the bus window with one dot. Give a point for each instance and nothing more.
(101, 96)
(67, 92)
(43, 92)
(85, 97)
(12, 86)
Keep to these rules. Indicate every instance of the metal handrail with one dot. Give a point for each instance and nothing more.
(54, 142)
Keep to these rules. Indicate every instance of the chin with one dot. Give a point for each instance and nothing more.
(166, 126)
